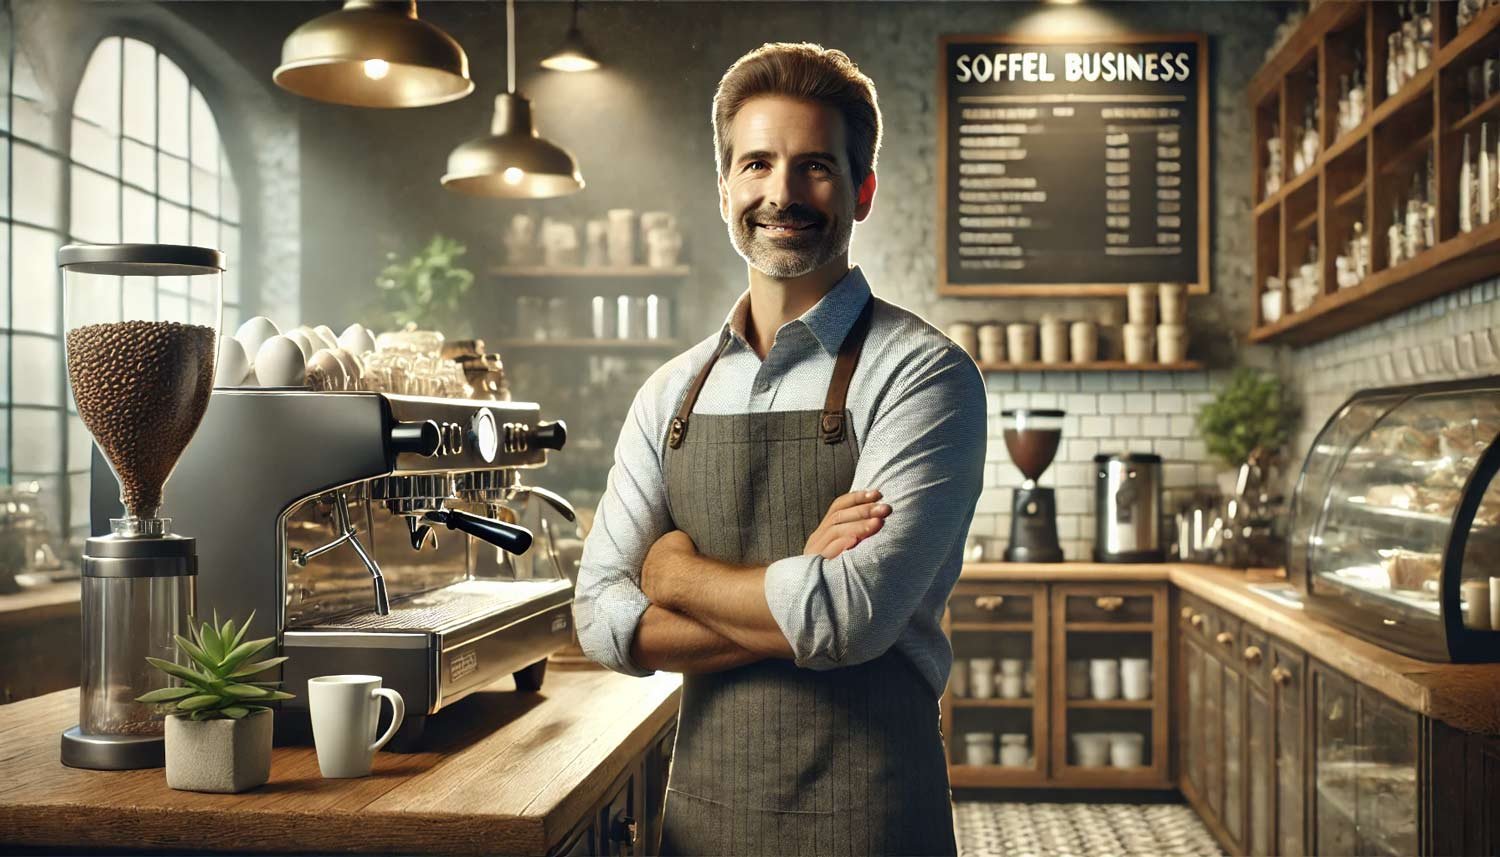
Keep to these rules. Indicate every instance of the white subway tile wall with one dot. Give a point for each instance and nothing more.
(1106, 412)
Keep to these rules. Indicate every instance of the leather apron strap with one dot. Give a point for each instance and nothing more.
(831, 427)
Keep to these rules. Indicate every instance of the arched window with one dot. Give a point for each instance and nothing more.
(138, 160)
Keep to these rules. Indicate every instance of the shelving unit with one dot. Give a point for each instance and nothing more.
(1360, 174)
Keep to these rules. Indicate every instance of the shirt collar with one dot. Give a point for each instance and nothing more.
(830, 318)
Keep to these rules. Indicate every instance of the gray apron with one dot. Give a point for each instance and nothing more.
(772, 758)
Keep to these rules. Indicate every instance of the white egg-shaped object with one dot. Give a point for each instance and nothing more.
(305, 341)
(324, 372)
(232, 364)
(254, 332)
(279, 363)
(325, 333)
(357, 340)
(354, 372)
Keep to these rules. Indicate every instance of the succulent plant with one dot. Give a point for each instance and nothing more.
(216, 683)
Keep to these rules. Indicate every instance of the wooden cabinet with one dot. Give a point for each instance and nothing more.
(1054, 631)
(1288, 745)
(627, 822)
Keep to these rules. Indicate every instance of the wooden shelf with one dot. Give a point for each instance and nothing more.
(592, 344)
(1094, 366)
(1109, 627)
(1117, 704)
(1399, 131)
(991, 776)
(993, 702)
(1008, 627)
(580, 272)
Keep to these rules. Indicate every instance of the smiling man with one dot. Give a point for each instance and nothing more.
(805, 617)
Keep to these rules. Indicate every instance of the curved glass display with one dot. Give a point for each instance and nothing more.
(1396, 522)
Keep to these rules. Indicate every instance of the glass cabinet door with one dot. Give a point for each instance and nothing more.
(1213, 722)
(1386, 776)
(1287, 677)
(1232, 707)
(1258, 769)
(1192, 751)
(1335, 757)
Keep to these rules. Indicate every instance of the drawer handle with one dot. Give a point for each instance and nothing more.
(1109, 603)
(1196, 620)
(1252, 655)
(1225, 638)
(1281, 675)
(625, 830)
(989, 602)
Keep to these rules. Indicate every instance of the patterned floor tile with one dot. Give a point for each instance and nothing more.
(1080, 830)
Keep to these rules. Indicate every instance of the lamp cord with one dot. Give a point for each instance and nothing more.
(510, 46)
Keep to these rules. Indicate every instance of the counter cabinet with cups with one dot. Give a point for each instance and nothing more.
(1058, 685)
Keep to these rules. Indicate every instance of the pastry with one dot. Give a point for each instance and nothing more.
(1413, 571)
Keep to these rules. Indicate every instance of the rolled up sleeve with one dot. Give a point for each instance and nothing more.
(925, 454)
(632, 515)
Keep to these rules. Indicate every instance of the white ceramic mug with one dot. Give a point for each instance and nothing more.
(1010, 666)
(1140, 303)
(1476, 604)
(1013, 752)
(982, 677)
(1126, 749)
(1104, 678)
(1135, 678)
(1011, 686)
(1091, 749)
(979, 748)
(345, 710)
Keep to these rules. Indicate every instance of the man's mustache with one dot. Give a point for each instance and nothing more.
(794, 217)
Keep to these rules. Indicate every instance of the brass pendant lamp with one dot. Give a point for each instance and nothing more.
(374, 53)
(513, 162)
(574, 54)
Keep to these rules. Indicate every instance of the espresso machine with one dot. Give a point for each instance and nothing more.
(376, 533)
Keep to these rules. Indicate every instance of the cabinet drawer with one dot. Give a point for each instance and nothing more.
(1108, 607)
(978, 603)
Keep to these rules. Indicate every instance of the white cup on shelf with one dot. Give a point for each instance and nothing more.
(1010, 666)
(958, 678)
(982, 677)
(1091, 749)
(1135, 678)
(1011, 686)
(979, 748)
(1126, 749)
(1104, 678)
(1013, 752)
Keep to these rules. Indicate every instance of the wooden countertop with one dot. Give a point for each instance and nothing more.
(507, 774)
(42, 604)
(1466, 696)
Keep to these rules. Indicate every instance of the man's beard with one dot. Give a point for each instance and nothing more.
(797, 254)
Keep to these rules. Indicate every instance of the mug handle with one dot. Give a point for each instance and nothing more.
(398, 713)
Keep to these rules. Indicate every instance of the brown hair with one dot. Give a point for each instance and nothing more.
(810, 72)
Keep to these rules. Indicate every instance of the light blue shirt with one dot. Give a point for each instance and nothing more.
(917, 410)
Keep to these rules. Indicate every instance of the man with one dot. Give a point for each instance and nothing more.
(805, 618)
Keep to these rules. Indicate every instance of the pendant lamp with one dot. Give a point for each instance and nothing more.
(374, 53)
(513, 162)
(574, 54)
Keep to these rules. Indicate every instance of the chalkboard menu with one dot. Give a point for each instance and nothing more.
(1072, 167)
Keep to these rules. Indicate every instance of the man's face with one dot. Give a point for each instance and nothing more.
(787, 196)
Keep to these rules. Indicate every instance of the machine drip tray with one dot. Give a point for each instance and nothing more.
(445, 610)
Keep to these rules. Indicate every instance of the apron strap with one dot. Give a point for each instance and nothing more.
(831, 425)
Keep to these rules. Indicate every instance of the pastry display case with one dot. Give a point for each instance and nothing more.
(1396, 520)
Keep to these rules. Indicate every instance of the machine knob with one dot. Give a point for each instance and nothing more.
(419, 438)
(485, 435)
(550, 435)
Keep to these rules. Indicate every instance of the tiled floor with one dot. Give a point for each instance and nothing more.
(1082, 829)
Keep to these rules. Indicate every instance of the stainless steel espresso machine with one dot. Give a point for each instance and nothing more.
(374, 533)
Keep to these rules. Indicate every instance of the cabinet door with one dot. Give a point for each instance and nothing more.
(1386, 805)
(1335, 745)
(1258, 770)
(1288, 683)
(1232, 706)
(1192, 712)
(1212, 746)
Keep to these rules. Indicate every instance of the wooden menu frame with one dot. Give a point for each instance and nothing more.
(949, 289)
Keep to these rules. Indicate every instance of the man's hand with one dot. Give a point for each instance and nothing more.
(663, 558)
(851, 519)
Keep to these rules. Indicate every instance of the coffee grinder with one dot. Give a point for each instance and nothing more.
(1031, 437)
(142, 330)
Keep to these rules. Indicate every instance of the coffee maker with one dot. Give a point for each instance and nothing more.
(1032, 437)
(377, 533)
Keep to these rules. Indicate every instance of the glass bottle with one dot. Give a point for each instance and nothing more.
(1357, 92)
(1410, 39)
(1415, 228)
(1395, 238)
(1393, 77)
(1466, 179)
(1485, 177)
(1424, 36)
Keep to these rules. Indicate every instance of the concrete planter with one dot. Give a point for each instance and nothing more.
(223, 756)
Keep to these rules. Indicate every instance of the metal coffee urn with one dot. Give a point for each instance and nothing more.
(1127, 508)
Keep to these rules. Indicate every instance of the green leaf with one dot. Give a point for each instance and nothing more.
(178, 671)
(235, 712)
(245, 690)
(276, 694)
(239, 637)
(201, 715)
(242, 652)
(194, 651)
(211, 642)
(257, 667)
(194, 703)
(226, 633)
(166, 694)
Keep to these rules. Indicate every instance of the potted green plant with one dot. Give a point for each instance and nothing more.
(1251, 418)
(427, 290)
(218, 728)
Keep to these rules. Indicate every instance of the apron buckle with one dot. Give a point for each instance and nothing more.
(832, 428)
(678, 429)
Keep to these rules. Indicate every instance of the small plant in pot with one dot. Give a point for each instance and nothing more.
(1249, 421)
(218, 728)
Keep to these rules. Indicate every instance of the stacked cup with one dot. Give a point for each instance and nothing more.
(1171, 334)
(1140, 330)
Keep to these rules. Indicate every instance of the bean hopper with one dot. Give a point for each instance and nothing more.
(142, 335)
(1032, 437)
